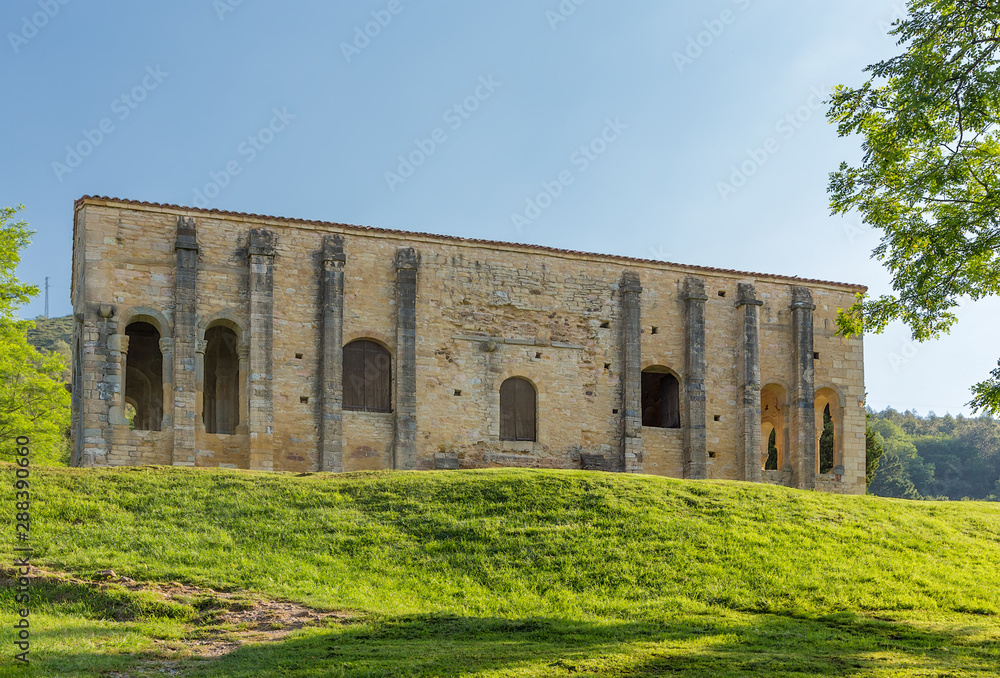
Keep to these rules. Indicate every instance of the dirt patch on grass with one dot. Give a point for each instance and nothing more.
(227, 620)
(219, 622)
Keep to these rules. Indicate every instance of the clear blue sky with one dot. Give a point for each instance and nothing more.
(683, 93)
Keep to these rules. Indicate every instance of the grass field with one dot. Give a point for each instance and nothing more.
(500, 573)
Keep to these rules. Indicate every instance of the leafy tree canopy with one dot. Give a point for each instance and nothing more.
(874, 449)
(33, 399)
(930, 174)
(14, 236)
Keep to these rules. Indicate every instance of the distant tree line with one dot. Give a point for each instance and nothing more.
(935, 457)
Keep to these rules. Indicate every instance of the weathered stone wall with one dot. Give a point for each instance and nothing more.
(458, 318)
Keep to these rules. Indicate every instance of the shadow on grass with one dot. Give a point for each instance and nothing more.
(734, 645)
(720, 644)
(99, 601)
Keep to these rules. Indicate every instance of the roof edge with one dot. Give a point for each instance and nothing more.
(105, 200)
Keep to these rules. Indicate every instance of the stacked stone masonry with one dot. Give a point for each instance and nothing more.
(747, 354)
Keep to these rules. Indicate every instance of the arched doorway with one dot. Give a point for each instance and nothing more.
(144, 376)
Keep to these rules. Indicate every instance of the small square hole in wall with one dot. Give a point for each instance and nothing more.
(605, 325)
(656, 330)
(304, 399)
(815, 356)
(614, 411)
(722, 293)
(538, 356)
(298, 356)
(711, 455)
(458, 392)
(607, 366)
(718, 417)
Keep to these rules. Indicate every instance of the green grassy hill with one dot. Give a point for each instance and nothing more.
(511, 573)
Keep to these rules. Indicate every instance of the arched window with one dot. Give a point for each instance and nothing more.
(221, 398)
(661, 402)
(517, 409)
(144, 376)
(367, 377)
(771, 462)
(829, 431)
(826, 441)
(773, 403)
(130, 413)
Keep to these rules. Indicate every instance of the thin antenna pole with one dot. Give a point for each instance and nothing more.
(46, 296)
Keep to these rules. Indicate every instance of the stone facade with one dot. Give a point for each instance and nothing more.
(752, 363)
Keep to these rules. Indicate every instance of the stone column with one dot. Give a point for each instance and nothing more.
(243, 351)
(261, 407)
(695, 435)
(803, 423)
(631, 348)
(405, 420)
(331, 454)
(200, 345)
(167, 353)
(118, 352)
(185, 336)
(749, 374)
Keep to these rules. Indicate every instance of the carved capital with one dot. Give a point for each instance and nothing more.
(630, 282)
(118, 342)
(407, 259)
(333, 251)
(747, 295)
(261, 243)
(187, 234)
(802, 299)
(166, 345)
(694, 290)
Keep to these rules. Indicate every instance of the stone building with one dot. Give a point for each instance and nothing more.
(211, 338)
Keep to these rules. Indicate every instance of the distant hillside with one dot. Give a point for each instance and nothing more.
(937, 457)
(51, 334)
(508, 572)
